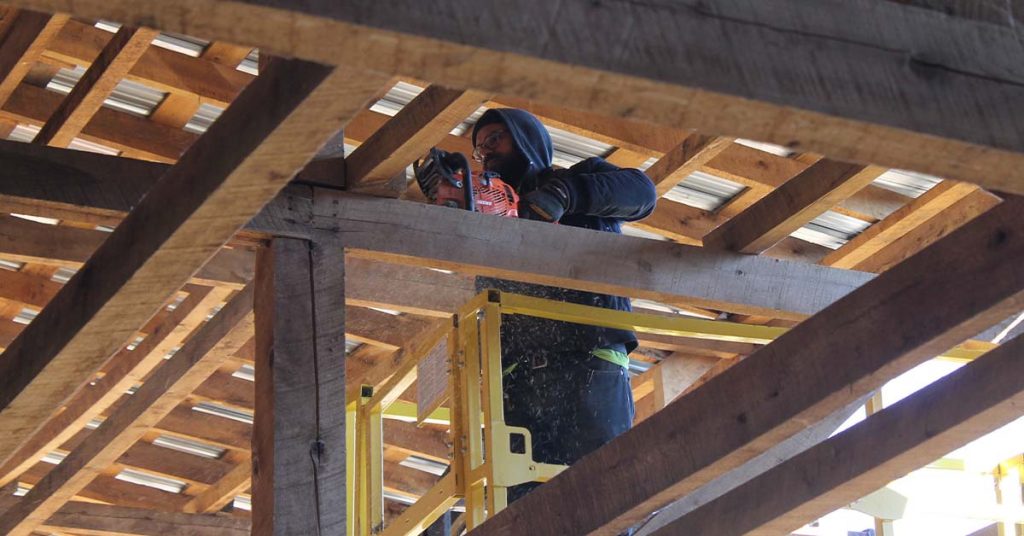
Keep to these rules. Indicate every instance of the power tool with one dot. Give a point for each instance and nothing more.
(442, 178)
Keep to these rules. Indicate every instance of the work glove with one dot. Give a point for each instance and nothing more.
(547, 203)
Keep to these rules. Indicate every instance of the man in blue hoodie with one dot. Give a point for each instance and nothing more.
(566, 383)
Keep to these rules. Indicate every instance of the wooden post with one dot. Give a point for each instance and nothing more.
(298, 451)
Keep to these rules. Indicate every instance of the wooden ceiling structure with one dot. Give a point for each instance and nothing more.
(249, 247)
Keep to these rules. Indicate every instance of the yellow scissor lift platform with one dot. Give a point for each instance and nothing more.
(483, 466)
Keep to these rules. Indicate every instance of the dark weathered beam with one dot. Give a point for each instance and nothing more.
(953, 290)
(115, 60)
(249, 154)
(298, 445)
(170, 384)
(88, 518)
(941, 111)
(981, 397)
(472, 243)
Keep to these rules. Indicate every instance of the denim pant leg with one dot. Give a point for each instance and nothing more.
(571, 408)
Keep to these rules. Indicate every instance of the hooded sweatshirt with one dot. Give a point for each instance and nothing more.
(604, 196)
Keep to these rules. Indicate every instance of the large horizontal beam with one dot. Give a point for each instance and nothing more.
(954, 289)
(867, 89)
(437, 237)
(87, 518)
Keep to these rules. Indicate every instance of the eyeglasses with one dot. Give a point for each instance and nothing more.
(490, 143)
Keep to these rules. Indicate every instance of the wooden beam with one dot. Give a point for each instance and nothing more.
(424, 235)
(126, 369)
(419, 126)
(405, 288)
(813, 101)
(170, 384)
(298, 445)
(823, 364)
(88, 518)
(22, 45)
(899, 223)
(223, 180)
(791, 206)
(217, 496)
(694, 152)
(981, 397)
(117, 58)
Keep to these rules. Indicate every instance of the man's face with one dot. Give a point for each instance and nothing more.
(496, 149)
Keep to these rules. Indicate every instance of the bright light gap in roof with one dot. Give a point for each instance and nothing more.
(182, 44)
(63, 275)
(27, 133)
(242, 502)
(225, 412)
(153, 481)
(248, 373)
(128, 96)
(11, 265)
(424, 464)
(189, 446)
(37, 219)
(26, 316)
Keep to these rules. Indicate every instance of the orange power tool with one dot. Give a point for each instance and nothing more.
(442, 177)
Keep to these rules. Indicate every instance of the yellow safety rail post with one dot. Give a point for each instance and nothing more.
(370, 464)
(350, 467)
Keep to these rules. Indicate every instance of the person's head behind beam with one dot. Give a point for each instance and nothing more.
(514, 144)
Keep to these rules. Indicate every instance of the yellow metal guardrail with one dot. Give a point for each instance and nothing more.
(482, 464)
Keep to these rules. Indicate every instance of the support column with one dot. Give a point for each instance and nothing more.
(298, 445)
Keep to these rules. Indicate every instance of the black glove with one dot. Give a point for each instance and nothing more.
(547, 203)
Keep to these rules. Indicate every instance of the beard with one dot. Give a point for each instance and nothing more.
(512, 168)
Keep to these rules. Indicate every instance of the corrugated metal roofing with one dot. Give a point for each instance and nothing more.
(130, 97)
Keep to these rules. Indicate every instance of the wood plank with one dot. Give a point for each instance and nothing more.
(899, 223)
(114, 61)
(694, 151)
(298, 446)
(930, 231)
(813, 101)
(27, 288)
(981, 397)
(223, 491)
(815, 369)
(382, 329)
(22, 45)
(198, 358)
(135, 136)
(419, 126)
(86, 518)
(405, 288)
(126, 369)
(217, 187)
(791, 206)
(422, 235)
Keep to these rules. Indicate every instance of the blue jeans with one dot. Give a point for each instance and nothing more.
(572, 406)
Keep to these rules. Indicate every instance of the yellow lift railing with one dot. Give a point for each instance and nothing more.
(483, 466)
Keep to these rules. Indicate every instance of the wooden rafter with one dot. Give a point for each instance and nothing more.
(178, 226)
(409, 135)
(117, 58)
(977, 399)
(22, 45)
(172, 382)
(791, 206)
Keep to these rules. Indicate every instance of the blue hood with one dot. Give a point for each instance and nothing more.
(531, 140)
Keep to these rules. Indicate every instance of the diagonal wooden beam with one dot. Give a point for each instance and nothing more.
(823, 364)
(126, 368)
(171, 383)
(88, 518)
(975, 400)
(790, 206)
(223, 180)
(419, 126)
(929, 206)
(117, 58)
(691, 154)
(22, 46)
(217, 496)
